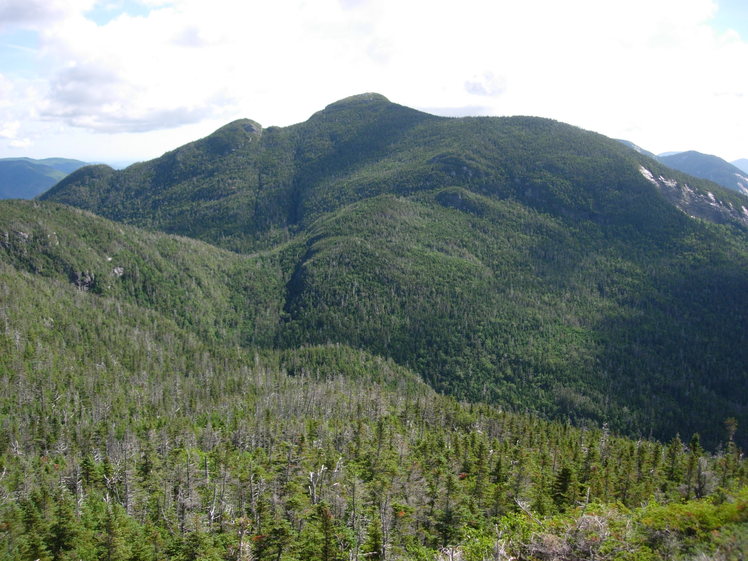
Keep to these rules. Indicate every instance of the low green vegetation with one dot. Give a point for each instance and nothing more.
(215, 293)
(135, 426)
(485, 299)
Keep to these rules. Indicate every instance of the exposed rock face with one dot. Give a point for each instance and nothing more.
(708, 167)
(694, 203)
(83, 280)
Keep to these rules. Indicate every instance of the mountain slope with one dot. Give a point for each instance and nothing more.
(215, 293)
(637, 148)
(129, 434)
(246, 188)
(25, 178)
(709, 167)
(490, 300)
(517, 260)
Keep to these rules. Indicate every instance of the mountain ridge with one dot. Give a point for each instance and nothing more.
(269, 185)
(25, 178)
(709, 167)
(742, 164)
(704, 166)
(518, 260)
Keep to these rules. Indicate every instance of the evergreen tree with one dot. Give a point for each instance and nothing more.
(563, 494)
(64, 527)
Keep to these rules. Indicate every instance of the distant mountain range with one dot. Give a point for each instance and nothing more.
(741, 164)
(709, 167)
(731, 175)
(25, 178)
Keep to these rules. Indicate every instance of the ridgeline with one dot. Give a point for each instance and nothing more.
(378, 334)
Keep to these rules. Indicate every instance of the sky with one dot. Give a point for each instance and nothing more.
(127, 80)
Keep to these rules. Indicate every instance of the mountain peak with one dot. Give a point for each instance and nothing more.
(359, 100)
(368, 100)
(247, 125)
(365, 107)
(230, 137)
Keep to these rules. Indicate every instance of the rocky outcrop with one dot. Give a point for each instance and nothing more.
(696, 203)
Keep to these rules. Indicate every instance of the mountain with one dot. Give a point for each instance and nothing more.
(423, 338)
(25, 178)
(135, 425)
(708, 167)
(637, 148)
(741, 164)
(517, 260)
(246, 188)
(732, 176)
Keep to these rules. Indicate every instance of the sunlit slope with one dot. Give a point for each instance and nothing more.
(517, 260)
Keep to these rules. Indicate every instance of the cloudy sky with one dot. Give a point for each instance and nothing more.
(126, 80)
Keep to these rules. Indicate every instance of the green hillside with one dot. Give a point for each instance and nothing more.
(218, 294)
(490, 300)
(135, 427)
(247, 188)
(519, 261)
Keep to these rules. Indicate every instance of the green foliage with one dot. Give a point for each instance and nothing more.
(216, 294)
(504, 304)
(294, 454)
(518, 260)
(164, 399)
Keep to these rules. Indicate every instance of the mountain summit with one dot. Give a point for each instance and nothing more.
(359, 100)
(517, 260)
(244, 188)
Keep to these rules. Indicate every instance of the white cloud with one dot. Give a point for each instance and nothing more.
(189, 61)
(133, 74)
(486, 85)
(95, 96)
(9, 129)
(6, 89)
(14, 115)
(21, 143)
(36, 13)
(648, 70)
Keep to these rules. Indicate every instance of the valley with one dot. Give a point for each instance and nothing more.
(376, 334)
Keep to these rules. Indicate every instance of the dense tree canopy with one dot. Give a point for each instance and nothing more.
(400, 337)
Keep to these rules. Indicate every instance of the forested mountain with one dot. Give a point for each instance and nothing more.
(247, 188)
(137, 425)
(515, 260)
(709, 167)
(262, 385)
(25, 178)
